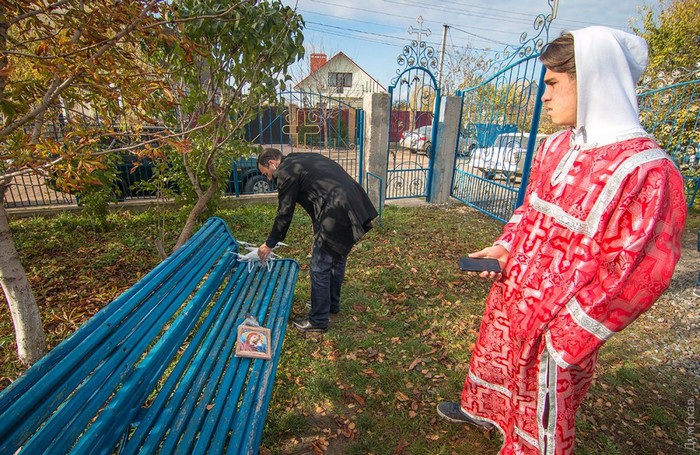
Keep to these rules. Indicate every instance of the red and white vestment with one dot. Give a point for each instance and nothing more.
(592, 247)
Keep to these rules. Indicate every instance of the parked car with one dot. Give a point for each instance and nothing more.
(465, 145)
(243, 179)
(246, 178)
(506, 157)
(417, 140)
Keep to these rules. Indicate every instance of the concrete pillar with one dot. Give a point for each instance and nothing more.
(351, 124)
(376, 145)
(444, 159)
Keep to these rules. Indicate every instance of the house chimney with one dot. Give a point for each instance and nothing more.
(317, 61)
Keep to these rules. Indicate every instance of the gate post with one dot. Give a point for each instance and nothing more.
(444, 159)
(376, 143)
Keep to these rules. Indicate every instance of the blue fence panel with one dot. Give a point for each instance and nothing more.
(300, 122)
(670, 111)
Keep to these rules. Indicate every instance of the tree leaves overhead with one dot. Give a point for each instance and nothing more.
(229, 60)
(673, 35)
(106, 68)
(71, 72)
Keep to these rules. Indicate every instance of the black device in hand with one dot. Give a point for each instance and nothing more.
(479, 264)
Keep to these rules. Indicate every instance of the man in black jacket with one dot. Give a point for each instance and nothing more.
(341, 213)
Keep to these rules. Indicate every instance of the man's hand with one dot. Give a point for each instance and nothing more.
(497, 252)
(264, 252)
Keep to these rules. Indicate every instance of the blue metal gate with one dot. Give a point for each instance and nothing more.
(499, 135)
(500, 127)
(492, 172)
(670, 110)
(413, 117)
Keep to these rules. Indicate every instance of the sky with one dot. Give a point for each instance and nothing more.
(373, 32)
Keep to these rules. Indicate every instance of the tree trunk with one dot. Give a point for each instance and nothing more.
(199, 207)
(31, 342)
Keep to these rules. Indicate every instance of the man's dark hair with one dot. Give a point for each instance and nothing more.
(558, 55)
(267, 155)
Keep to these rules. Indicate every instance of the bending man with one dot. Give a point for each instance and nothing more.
(341, 213)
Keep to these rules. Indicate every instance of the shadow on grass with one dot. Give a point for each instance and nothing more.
(401, 344)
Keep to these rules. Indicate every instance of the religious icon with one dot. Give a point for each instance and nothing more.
(253, 342)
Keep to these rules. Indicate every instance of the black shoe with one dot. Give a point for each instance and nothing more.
(332, 311)
(306, 326)
(453, 412)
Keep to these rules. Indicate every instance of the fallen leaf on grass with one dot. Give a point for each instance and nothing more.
(371, 373)
(319, 447)
(400, 448)
(401, 396)
(352, 395)
(414, 363)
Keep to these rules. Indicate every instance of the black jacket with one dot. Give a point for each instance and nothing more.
(338, 206)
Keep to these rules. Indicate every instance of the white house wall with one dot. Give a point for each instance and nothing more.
(362, 83)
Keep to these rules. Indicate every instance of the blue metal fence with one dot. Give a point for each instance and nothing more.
(300, 122)
(670, 111)
(498, 137)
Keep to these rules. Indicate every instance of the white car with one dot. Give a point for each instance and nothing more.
(506, 157)
(417, 140)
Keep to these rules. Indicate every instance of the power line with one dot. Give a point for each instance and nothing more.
(504, 17)
(484, 38)
(400, 41)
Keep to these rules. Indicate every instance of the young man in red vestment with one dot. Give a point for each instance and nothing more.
(592, 247)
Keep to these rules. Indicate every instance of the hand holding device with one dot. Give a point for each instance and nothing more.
(468, 264)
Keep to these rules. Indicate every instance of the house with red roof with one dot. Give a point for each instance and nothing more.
(338, 77)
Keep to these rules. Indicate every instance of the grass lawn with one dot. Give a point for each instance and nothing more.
(401, 344)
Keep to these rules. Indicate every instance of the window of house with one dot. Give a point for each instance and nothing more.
(340, 79)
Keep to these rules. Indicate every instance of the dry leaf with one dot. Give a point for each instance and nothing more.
(400, 448)
(414, 363)
(401, 396)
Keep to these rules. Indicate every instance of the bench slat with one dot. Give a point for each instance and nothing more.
(155, 370)
(156, 422)
(149, 282)
(115, 360)
(258, 403)
(36, 377)
(124, 405)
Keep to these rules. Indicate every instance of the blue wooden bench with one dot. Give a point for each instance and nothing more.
(155, 371)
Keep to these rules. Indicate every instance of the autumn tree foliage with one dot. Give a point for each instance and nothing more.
(239, 60)
(669, 99)
(74, 67)
(81, 81)
(673, 35)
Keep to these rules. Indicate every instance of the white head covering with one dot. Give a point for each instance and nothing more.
(609, 64)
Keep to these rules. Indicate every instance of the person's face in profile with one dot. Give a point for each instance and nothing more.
(268, 170)
(560, 98)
